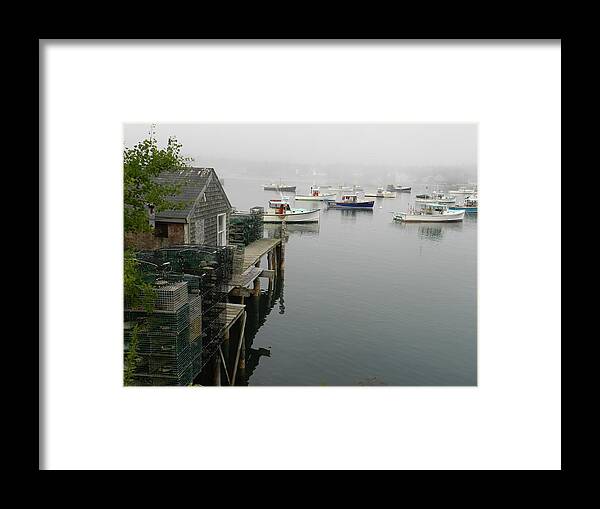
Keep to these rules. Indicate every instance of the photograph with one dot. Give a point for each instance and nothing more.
(278, 243)
(300, 254)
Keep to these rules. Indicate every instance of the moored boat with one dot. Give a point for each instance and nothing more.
(399, 189)
(279, 211)
(430, 213)
(462, 190)
(469, 205)
(316, 195)
(434, 197)
(351, 201)
(279, 187)
(380, 193)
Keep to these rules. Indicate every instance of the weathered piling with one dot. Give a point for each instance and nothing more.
(240, 358)
(256, 289)
(225, 350)
(217, 370)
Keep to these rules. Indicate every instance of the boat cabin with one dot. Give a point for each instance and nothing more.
(349, 198)
(470, 201)
(434, 208)
(280, 206)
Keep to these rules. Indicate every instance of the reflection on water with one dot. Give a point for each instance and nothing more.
(352, 215)
(276, 231)
(258, 309)
(431, 232)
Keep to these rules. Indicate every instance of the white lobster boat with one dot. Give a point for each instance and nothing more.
(380, 193)
(462, 190)
(280, 211)
(316, 195)
(430, 213)
(434, 197)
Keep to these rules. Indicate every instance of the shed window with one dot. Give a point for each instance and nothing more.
(222, 230)
(161, 230)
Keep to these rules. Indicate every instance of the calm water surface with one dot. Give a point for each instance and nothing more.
(365, 300)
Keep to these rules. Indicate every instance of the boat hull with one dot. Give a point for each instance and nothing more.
(323, 197)
(433, 200)
(468, 210)
(384, 195)
(449, 217)
(362, 205)
(280, 188)
(309, 216)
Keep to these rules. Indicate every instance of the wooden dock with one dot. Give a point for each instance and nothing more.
(251, 270)
(232, 313)
(222, 361)
(231, 362)
(257, 249)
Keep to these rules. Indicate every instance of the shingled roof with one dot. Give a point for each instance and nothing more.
(194, 182)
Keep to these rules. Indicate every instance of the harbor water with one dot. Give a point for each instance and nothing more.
(365, 300)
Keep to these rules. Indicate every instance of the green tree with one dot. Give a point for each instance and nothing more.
(141, 164)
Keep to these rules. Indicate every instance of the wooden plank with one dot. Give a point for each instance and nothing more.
(239, 349)
(232, 314)
(267, 273)
(224, 365)
(257, 249)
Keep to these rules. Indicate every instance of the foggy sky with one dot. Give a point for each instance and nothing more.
(318, 145)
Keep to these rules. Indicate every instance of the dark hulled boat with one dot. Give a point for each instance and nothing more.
(351, 201)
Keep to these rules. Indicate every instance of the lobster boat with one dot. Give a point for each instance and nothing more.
(462, 190)
(380, 193)
(430, 213)
(279, 187)
(469, 205)
(434, 197)
(351, 201)
(316, 195)
(279, 211)
(399, 189)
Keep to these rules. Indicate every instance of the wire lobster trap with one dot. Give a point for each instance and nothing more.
(245, 228)
(162, 343)
(162, 321)
(191, 293)
(185, 378)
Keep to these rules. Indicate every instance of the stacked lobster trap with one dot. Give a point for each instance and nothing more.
(189, 311)
(246, 227)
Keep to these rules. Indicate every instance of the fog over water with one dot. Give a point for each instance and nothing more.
(365, 153)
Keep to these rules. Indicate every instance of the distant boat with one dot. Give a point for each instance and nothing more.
(434, 197)
(380, 193)
(399, 189)
(279, 211)
(430, 213)
(279, 187)
(462, 190)
(351, 201)
(469, 205)
(339, 188)
(316, 195)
